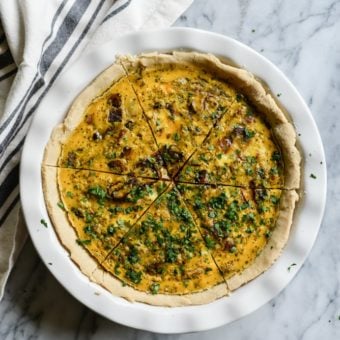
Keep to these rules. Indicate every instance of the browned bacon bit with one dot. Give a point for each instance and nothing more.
(116, 112)
(202, 176)
(170, 107)
(115, 100)
(97, 136)
(118, 191)
(77, 212)
(117, 165)
(154, 268)
(126, 152)
(239, 130)
(89, 119)
(249, 119)
(157, 105)
(129, 124)
(225, 143)
(228, 244)
(171, 155)
(115, 115)
(192, 106)
(121, 134)
(260, 194)
(71, 159)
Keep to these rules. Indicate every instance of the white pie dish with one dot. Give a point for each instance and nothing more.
(181, 319)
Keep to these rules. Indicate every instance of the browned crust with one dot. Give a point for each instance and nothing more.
(64, 230)
(274, 247)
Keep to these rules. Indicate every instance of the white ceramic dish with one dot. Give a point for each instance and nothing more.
(183, 319)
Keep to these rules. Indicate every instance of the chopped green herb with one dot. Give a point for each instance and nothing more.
(116, 269)
(219, 156)
(61, 205)
(209, 241)
(219, 201)
(239, 97)
(274, 171)
(111, 230)
(98, 192)
(248, 134)
(279, 94)
(69, 194)
(313, 176)
(211, 214)
(134, 276)
(176, 137)
(83, 242)
(44, 223)
(276, 156)
(233, 249)
(292, 265)
(154, 288)
(133, 256)
(171, 254)
(253, 30)
(274, 199)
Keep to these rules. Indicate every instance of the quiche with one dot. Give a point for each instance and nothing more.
(173, 178)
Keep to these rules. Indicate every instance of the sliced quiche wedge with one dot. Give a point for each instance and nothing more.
(181, 100)
(107, 133)
(239, 224)
(164, 252)
(240, 151)
(102, 207)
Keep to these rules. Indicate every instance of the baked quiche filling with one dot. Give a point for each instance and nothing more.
(174, 180)
(164, 252)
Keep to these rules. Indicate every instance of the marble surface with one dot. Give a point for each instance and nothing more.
(302, 38)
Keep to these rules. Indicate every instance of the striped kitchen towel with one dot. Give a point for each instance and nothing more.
(38, 40)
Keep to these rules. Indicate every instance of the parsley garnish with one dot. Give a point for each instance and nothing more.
(154, 288)
(83, 242)
(134, 276)
(44, 223)
(98, 192)
(313, 176)
(292, 265)
(61, 205)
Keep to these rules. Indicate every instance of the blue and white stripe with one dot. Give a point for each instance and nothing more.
(72, 25)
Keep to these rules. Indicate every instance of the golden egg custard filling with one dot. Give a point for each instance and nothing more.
(236, 223)
(164, 252)
(239, 151)
(173, 179)
(182, 103)
(102, 207)
(113, 137)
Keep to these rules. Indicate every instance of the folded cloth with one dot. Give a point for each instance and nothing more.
(38, 40)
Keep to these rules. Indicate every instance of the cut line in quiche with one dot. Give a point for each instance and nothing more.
(173, 179)
(240, 151)
(100, 207)
(181, 100)
(239, 225)
(105, 130)
(164, 254)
